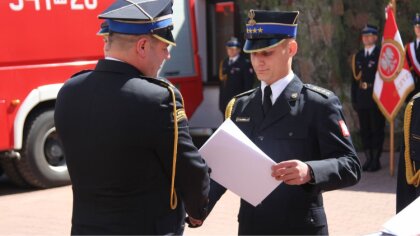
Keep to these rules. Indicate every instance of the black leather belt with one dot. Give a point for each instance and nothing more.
(364, 85)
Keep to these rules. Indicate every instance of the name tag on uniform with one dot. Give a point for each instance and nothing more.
(243, 119)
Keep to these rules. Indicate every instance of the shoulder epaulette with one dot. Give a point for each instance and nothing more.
(165, 81)
(245, 93)
(81, 72)
(322, 91)
(158, 81)
(229, 107)
(417, 95)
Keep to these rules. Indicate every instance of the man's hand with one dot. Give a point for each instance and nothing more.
(193, 223)
(292, 172)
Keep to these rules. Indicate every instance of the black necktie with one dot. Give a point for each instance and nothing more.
(267, 100)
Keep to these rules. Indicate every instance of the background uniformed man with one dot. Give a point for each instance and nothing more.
(413, 56)
(408, 183)
(300, 126)
(371, 120)
(133, 166)
(235, 73)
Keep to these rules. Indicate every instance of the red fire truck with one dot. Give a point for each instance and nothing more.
(44, 42)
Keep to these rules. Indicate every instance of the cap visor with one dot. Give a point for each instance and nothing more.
(164, 35)
(102, 32)
(256, 45)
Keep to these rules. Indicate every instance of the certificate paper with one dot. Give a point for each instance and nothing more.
(406, 222)
(238, 164)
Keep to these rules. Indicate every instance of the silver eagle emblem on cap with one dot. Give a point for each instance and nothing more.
(251, 15)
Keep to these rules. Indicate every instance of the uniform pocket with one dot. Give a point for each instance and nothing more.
(291, 144)
(312, 218)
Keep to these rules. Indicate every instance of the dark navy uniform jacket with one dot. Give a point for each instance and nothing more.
(305, 123)
(361, 90)
(407, 193)
(117, 129)
(415, 72)
(239, 77)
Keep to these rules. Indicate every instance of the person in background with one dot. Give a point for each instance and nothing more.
(300, 126)
(371, 120)
(235, 73)
(131, 160)
(413, 56)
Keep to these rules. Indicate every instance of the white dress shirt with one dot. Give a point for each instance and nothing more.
(278, 86)
(233, 59)
(368, 51)
(113, 59)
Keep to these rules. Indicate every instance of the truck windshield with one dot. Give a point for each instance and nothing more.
(181, 63)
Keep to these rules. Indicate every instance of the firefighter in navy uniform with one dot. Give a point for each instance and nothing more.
(132, 163)
(408, 182)
(413, 56)
(235, 74)
(371, 120)
(300, 126)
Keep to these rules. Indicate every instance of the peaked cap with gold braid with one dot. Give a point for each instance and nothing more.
(412, 175)
(267, 29)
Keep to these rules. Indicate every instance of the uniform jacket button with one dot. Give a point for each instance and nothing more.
(290, 134)
(261, 138)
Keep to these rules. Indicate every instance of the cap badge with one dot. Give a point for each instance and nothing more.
(251, 15)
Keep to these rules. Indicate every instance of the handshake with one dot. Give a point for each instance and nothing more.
(193, 223)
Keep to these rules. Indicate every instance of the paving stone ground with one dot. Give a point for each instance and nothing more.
(357, 210)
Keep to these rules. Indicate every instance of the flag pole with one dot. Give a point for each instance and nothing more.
(391, 127)
(394, 7)
(391, 147)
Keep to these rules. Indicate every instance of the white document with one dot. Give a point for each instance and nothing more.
(238, 164)
(406, 222)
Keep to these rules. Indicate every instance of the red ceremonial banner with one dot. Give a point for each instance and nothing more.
(393, 81)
